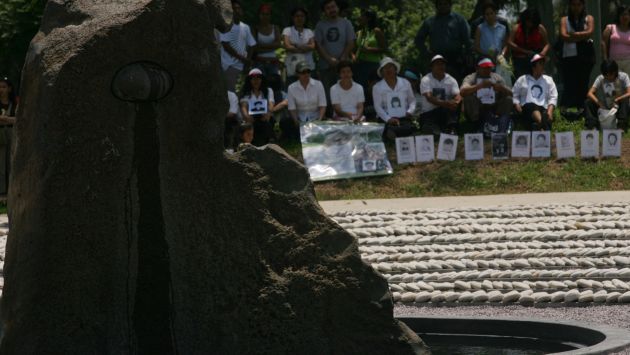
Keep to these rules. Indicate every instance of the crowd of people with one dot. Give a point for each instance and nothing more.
(334, 72)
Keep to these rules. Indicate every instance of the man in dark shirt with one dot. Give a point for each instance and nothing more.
(449, 35)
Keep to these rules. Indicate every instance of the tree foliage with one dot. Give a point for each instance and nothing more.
(19, 22)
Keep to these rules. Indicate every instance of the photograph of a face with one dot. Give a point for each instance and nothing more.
(257, 107)
(565, 145)
(405, 150)
(589, 144)
(447, 148)
(611, 143)
(395, 106)
(521, 144)
(541, 146)
(473, 146)
(500, 146)
(425, 148)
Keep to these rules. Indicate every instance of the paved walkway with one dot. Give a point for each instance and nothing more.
(404, 204)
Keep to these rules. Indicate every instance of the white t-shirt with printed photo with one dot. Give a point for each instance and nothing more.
(347, 99)
(444, 89)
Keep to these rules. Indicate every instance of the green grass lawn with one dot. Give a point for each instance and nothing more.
(484, 177)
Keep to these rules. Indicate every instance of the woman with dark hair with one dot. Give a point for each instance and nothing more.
(267, 41)
(299, 43)
(529, 37)
(8, 108)
(535, 96)
(578, 54)
(370, 48)
(257, 102)
(616, 40)
(611, 89)
(490, 35)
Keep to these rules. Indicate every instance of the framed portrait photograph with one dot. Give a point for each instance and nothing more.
(405, 150)
(447, 147)
(521, 144)
(541, 144)
(257, 106)
(396, 106)
(611, 143)
(589, 144)
(565, 145)
(425, 148)
(500, 146)
(473, 146)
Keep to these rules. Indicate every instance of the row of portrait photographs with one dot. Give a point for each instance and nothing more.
(524, 145)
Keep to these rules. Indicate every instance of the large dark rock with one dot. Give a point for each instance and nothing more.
(132, 231)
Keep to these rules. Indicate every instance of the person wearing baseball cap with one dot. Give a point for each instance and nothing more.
(440, 99)
(535, 95)
(306, 101)
(394, 101)
(487, 100)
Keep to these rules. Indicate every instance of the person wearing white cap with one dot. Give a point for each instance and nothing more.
(535, 96)
(487, 100)
(440, 99)
(394, 101)
(257, 102)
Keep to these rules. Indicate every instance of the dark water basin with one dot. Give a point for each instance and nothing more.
(471, 335)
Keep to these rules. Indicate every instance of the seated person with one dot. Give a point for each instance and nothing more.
(257, 103)
(535, 96)
(487, 100)
(231, 121)
(393, 100)
(611, 88)
(440, 100)
(306, 102)
(346, 96)
(245, 135)
(414, 80)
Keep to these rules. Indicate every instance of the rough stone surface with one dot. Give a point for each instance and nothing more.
(248, 262)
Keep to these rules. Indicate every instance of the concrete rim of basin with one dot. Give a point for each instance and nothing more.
(598, 339)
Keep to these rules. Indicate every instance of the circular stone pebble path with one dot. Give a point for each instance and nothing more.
(529, 255)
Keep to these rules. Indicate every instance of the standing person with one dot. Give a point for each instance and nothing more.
(257, 102)
(535, 96)
(236, 48)
(529, 37)
(440, 100)
(231, 121)
(347, 96)
(370, 48)
(449, 36)
(477, 21)
(616, 40)
(491, 35)
(334, 37)
(8, 109)
(299, 43)
(578, 53)
(268, 39)
(394, 101)
(487, 100)
(610, 89)
(307, 102)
